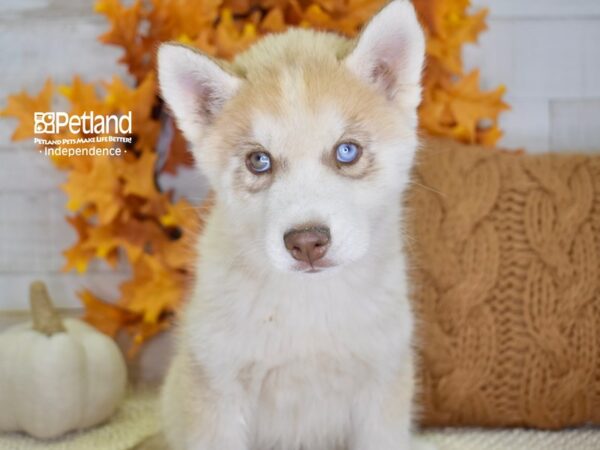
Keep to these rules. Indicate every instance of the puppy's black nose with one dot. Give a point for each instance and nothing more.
(307, 244)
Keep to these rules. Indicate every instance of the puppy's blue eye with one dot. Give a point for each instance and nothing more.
(258, 162)
(347, 153)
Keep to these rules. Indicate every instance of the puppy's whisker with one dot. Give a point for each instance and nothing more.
(429, 188)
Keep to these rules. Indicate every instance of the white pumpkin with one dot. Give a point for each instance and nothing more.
(57, 375)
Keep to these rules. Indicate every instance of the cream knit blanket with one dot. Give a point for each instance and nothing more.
(136, 422)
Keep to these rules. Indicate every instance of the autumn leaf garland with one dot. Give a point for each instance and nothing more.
(118, 207)
(453, 104)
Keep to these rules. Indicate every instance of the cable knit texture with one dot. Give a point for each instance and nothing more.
(506, 266)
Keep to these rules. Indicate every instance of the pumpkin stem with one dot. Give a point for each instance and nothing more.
(45, 318)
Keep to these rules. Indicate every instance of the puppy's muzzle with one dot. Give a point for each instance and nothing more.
(307, 244)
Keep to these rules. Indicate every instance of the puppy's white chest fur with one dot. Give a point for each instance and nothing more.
(302, 354)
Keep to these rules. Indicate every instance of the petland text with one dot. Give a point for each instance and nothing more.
(86, 123)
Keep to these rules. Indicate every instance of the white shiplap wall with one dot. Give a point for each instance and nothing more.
(40, 39)
(547, 52)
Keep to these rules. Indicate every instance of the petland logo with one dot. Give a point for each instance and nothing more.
(86, 123)
(92, 134)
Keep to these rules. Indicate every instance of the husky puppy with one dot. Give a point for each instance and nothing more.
(298, 333)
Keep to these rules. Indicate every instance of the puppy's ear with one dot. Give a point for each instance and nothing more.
(389, 53)
(194, 86)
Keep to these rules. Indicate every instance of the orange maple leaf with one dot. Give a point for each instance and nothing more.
(140, 101)
(135, 176)
(107, 317)
(23, 106)
(98, 187)
(184, 219)
(469, 106)
(124, 32)
(153, 289)
(179, 154)
(78, 256)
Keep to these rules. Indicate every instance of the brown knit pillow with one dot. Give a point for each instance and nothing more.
(506, 265)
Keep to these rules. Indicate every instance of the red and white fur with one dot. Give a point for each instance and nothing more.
(276, 353)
